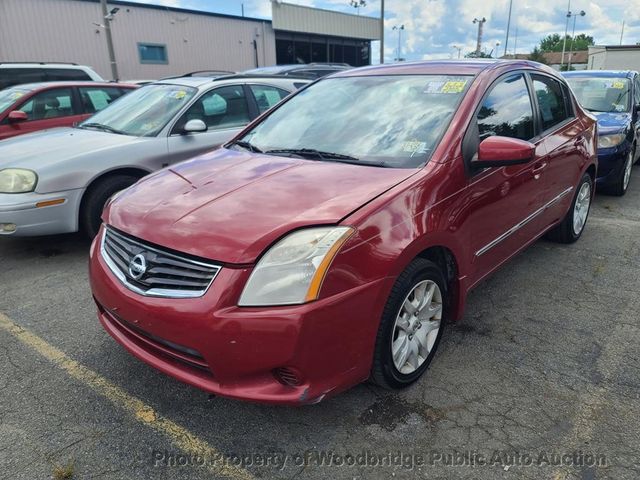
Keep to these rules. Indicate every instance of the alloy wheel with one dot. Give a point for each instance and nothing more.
(581, 208)
(627, 171)
(416, 327)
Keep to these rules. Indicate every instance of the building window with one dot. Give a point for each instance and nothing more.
(153, 53)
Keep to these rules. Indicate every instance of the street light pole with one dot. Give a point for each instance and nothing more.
(506, 42)
(480, 26)
(107, 31)
(573, 35)
(459, 49)
(566, 29)
(399, 28)
(381, 32)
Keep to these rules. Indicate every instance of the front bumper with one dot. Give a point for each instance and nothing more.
(214, 345)
(20, 209)
(611, 163)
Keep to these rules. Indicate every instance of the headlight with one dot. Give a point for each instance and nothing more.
(607, 141)
(292, 271)
(17, 180)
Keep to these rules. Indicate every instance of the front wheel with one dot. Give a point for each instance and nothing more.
(95, 199)
(572, 226)
(411, 326)
(619, 188)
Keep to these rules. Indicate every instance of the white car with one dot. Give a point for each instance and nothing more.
(13, 73)
(58, 180)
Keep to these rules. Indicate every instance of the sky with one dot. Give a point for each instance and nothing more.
(434, 28)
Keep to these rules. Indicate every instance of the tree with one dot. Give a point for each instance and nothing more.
(476, 55)
(553, 42)
(536, 55)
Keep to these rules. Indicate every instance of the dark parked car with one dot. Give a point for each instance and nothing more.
(304, 70)
(614, 98)
(39, 106)
(333, 239)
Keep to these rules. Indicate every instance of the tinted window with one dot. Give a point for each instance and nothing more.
(551, 104)
(266, 96)
(223, 107)
(95, 99)
(66, 74)
(16, 76)
(152, 53)
(507, 110)
(49, 104)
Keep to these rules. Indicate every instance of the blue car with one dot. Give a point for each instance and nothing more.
(614, 98)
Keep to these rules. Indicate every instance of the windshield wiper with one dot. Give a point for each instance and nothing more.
(102, 127)
(247, 145)
(326, 156)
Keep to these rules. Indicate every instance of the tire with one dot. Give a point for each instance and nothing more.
(619, 188)
(384, 371)
(95, 199)
(565, 231)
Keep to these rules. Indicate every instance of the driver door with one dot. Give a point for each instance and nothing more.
(224, 110)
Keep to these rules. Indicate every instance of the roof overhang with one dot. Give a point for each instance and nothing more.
(298, 18)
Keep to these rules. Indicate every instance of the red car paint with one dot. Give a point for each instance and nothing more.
(230, 206)
(9, 128)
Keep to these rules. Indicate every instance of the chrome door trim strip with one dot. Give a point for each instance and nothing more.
(521, 224)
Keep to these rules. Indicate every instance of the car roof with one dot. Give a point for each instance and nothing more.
(74, 66)
(201, 82)
(443, 67)
(73, 83)
(600, 73)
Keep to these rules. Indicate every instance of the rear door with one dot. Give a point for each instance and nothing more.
(562, 137)
(225, 110)
(55, 107)
(503, 203)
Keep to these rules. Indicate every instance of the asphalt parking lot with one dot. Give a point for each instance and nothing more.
(540, 380)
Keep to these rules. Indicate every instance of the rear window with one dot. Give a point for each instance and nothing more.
(16, 76)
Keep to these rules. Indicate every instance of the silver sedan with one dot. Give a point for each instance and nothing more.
(57, 181)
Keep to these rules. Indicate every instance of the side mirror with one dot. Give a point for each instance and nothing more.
(503, 151)
(17, 116)
(194, 126)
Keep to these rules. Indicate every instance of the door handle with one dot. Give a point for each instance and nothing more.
(538, 168)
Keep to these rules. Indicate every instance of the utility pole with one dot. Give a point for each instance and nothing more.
(381, 32)
(506, 42)
(622, 32)
(459, 49)
(480, 28)
(566, 29)
(107, 31)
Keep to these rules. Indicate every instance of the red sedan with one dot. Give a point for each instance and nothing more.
(334, 238)
(38, 106)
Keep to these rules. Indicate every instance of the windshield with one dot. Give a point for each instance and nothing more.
(602, 94)
(9, 96)
(143, 112)
(393, 121)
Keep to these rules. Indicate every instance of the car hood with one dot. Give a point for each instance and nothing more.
(229, 206)
(612, 122)
(48, 147)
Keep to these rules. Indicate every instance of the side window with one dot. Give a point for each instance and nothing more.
(507, 110)
(552, 107)
(16, 76)
(66, 74)
(267, 96)
(95, 99)
(224, 107)
(49, 104)
(568, 100)
(637, 85)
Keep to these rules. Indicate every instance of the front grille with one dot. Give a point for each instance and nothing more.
(155, 272)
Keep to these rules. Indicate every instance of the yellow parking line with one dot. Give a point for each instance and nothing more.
(180, 436)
